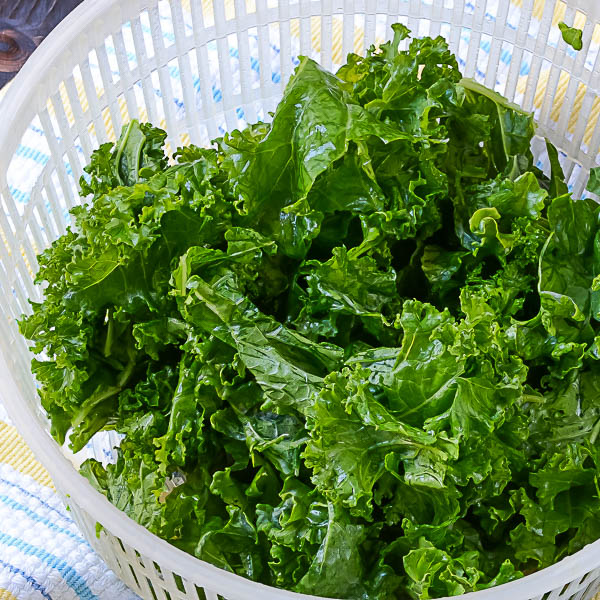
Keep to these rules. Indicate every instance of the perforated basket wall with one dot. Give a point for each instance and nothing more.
(197, 69)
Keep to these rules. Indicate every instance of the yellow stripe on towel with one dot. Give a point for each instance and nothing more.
(6, 595)
(15, 453)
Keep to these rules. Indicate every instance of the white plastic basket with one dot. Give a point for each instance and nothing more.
(192, 66)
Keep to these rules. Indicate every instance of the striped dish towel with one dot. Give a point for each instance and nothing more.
(42, 553)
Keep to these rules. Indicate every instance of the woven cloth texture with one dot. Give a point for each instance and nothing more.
(42, 553)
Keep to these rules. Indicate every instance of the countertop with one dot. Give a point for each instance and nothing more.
(23, 25)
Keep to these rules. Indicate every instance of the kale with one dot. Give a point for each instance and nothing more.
(354, 352)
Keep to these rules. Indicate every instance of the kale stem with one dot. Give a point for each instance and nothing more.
(109, 333)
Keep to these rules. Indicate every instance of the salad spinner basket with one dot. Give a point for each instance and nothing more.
(198, 68)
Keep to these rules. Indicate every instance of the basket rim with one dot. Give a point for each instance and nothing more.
(16, 107)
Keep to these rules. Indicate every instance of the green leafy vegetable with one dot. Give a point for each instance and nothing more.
(353, 352)
(594, 182)
(571, 35)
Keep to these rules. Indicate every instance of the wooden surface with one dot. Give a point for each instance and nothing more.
(23, 25)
